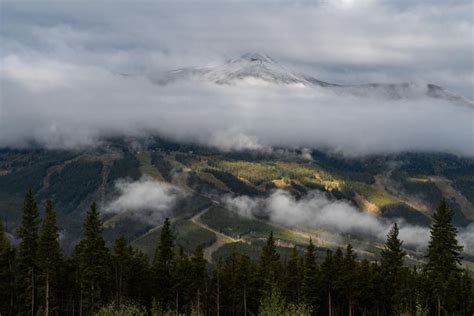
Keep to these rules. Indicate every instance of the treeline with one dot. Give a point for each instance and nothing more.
(37, 279)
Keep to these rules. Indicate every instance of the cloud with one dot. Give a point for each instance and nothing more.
(90, 104)
(71, 76)
(316, 211)
(466, 238)
(146, 200)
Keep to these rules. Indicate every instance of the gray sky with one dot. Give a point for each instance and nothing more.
(61, 63)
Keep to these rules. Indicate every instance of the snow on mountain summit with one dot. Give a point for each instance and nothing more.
(250, 66)
(257, 68)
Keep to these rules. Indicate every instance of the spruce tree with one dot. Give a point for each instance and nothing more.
(269, 265)
(198, 278)
(7, 276)
(182, 281)
(121, 258)
(327, 282)
(444, 255)
(163, 265)
(141, 278)
(349, 267)
(293, 278)
(27, 264)
(310, 277)
(94, 263)
(391, 262)
(49, 259)
(365, 286)
(338, 281)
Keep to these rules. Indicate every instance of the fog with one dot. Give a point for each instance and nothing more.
(316, 211)
(150, 201)
(147, 200)
(60, 105)
(72, 76)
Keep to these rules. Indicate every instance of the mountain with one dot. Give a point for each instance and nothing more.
(406, 186)
(253, 68)
(250, 66)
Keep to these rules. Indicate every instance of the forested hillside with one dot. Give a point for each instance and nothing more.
(37, 278)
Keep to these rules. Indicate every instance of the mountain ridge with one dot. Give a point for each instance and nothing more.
(253, 68)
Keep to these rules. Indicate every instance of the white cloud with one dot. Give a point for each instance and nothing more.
(315, 210)
(146, 200)
(62, 64)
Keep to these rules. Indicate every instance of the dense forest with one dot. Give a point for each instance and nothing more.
(37, 279)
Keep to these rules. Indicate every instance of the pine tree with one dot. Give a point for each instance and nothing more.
(163, 265)
(365, 286)
(121, 263)
(240, 284)
(49, 259)
(94, 263)
(27, 274)
(293, 278)
(391, 262)
(141, 278)
(269, 264)
(310, 277)
(466, 295)
(444, 255)
(198, 278)
(182, 281)
(327, 281)
(7, 277)
(348, 275)
(338, 282)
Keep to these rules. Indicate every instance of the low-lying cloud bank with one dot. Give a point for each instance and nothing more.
(71, 76)
(147, 200)
(318, 212)
(59, 105)
(150, 201)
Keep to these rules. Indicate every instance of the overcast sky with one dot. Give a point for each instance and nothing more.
(61, 66)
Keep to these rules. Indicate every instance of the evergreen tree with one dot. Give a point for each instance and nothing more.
(240, 285)
(269, 265)
(310, 277)
(121, 264)
(182, 281)
(94, 263)
(293, 278)
(466, 294)
(163, 265)
(327, 282)
(365, 287)
(391, 262)
(7, 277)
(140, 281)
(444, 255)
(49, 260)
(198, 278)
(349, 267)
(27, 274)
(339, 282)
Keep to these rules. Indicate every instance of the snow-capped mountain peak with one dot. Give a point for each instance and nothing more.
(254, 57)
(252, 68)
(248, 67)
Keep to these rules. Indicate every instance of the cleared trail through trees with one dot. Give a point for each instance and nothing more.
(221, 239)
(445, 186)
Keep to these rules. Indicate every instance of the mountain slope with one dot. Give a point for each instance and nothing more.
(255, 68)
